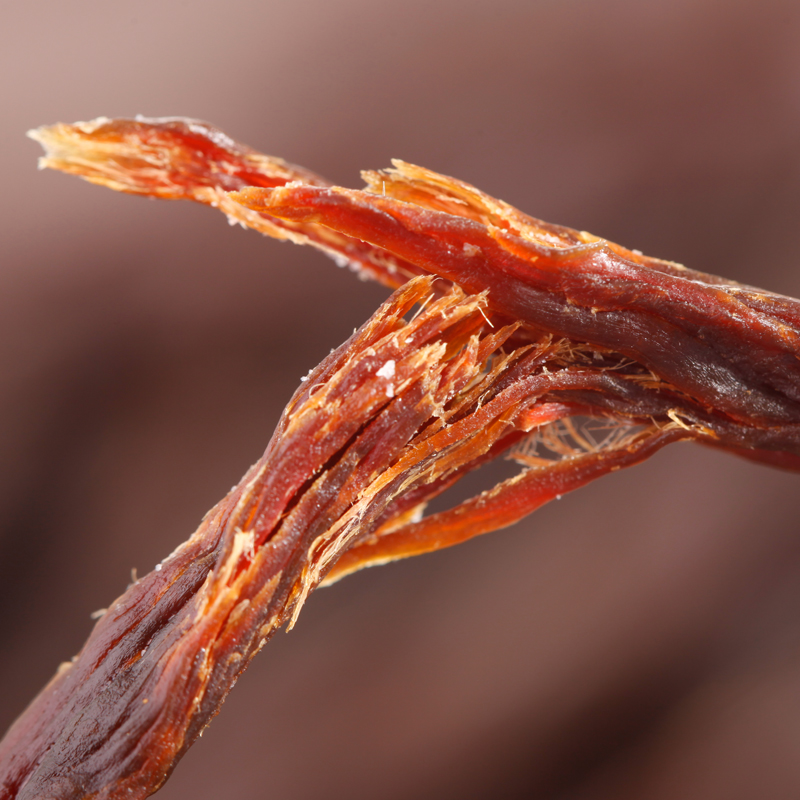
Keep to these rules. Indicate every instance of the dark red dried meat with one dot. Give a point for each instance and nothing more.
(576, 356)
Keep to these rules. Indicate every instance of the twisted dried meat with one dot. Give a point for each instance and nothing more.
(573, 355)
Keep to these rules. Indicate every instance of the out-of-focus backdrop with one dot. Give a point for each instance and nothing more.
(639, 639)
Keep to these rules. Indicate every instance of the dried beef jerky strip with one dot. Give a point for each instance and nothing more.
(389, 420)
(398, 408)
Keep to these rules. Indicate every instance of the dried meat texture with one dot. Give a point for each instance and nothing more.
(730, 348)
(572, 355)
(382, 425)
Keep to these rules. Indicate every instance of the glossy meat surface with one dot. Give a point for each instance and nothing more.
(507, 335)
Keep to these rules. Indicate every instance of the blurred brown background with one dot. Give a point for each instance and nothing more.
(639, 639)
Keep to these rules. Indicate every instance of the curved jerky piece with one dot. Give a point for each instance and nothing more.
(728, 346)
(400, 410)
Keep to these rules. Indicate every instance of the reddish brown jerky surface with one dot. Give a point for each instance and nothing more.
(395, 413)
(729, 347)
(572, 354)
